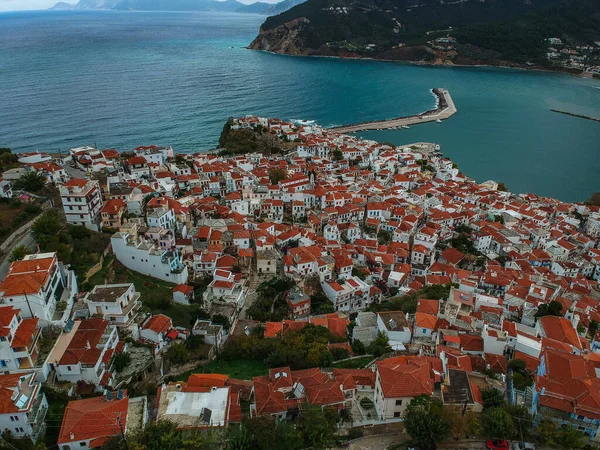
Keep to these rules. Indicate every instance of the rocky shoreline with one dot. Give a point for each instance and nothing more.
(289, 47)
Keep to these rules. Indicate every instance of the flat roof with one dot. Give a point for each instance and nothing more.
(188, 409)
(107, 292)
(459, 389)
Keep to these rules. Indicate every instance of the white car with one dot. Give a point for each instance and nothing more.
(523, 446)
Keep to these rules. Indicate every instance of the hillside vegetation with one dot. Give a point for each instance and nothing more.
(512, 30)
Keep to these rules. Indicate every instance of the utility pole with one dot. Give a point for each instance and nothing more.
(521, 432)
(122, 432)
(28, 305)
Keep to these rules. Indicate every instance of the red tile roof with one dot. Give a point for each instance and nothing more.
(158, 323)
(405, 377)
(82, 348)
(560, 329)
(93, 418)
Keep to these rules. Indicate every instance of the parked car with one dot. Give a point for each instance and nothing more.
(497, 444)
(523, 446)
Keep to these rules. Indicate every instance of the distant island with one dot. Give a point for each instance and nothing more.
(179, 5)
(549, 34)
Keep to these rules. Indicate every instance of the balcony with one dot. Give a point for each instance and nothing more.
(37, 415)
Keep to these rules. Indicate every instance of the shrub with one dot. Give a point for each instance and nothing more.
(355, 433)
(121, 361)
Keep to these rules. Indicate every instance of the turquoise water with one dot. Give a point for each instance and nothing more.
(123, 79)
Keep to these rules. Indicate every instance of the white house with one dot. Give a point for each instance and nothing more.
(494, 340)
(351, 295)
(183, 294)
(395, 326)
(84, 353)
(23, 405)
(117, 303)
(36, 284)
(399, 380)
(155, 330)
(213, 333)
(19, 340)
(146, 257)
(82, 202)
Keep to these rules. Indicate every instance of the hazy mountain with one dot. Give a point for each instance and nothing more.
(270, 9)
(179, 5)
(87, 4)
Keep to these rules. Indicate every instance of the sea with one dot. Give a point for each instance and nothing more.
(123, 79)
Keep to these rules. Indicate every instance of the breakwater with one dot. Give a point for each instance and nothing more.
(445, 109)
(581, 116)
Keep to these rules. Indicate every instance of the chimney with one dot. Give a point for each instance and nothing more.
(71, 436)
(87, 345)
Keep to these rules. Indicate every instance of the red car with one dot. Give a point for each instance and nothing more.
(497, 444)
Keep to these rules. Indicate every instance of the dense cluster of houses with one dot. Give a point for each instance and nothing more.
(582, 57)
(359, 221)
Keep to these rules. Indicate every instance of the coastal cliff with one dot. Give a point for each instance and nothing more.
(496, 32)
(286, 39)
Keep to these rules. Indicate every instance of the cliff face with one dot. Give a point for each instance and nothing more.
(283, 39)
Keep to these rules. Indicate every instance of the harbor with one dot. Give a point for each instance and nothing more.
(444, 110)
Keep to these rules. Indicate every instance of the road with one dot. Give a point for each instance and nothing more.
(387, 441)
(381, 442)
(26, 240)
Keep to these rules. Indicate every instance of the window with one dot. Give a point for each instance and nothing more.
(398, 402)
(82, 444)
(397, 414)
(69, 368)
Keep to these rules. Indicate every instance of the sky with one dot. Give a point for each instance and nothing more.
(22, 5)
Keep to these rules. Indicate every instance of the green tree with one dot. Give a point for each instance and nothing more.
(194, 341)
(277, 175)
(497, 423)
(239, 438)
(317, 426)
(384, 237)
(46, 227)
(265, 432)
(339, 353)
(502, 187)
(178, 354)
(594, 200)
(337, 155)
(564, 437)
(517, 365)
(221, 320)
(425, 423)
(553, 308)
(358, 348)
(593, 327)
(162, 435)
(492, 398)
(121, 361)
(31, 182)
(19, 253)
(380, 345)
